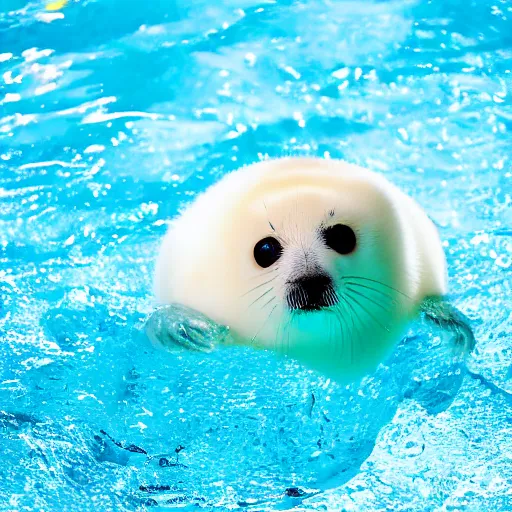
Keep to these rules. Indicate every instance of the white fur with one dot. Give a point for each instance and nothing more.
(206, 260)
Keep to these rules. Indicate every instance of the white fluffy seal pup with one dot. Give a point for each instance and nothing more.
(318, 259)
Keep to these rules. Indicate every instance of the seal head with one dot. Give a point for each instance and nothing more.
(317, 259)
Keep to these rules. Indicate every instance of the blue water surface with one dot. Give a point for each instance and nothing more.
(114, 114)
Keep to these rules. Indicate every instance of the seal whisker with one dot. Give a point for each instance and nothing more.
(280, 345)
(288, 338)
(354, 329)
(260, 297)
(263, 325)
(338, 316)
(278, 342)
(333, 296)
(369, 314)
(278, 329)
(380, 305)
(304, 296)
(258, 286)
(265, 273)
(268, 218)
(373, 289)
(377, 282)
(267, 303)
(356, 325)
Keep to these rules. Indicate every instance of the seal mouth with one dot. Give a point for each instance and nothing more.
(311, 293)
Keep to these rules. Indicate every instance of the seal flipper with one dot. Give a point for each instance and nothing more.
(439, 311)
(176, 326)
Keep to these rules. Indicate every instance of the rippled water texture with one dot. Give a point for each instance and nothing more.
(113, 113)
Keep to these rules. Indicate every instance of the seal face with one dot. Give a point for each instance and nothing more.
(317, 259)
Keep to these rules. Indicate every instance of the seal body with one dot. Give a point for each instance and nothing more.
(318, 259)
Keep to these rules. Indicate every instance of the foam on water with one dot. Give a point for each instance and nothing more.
(113, 114)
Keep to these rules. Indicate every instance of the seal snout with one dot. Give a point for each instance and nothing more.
(311, 293)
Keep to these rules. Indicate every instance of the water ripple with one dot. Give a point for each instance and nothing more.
(113, 115)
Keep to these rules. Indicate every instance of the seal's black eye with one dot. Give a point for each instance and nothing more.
(267, 252)
(340, 238)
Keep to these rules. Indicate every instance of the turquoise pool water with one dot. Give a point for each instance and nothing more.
(113, 113)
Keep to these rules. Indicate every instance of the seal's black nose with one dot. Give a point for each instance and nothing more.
(311, 293)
